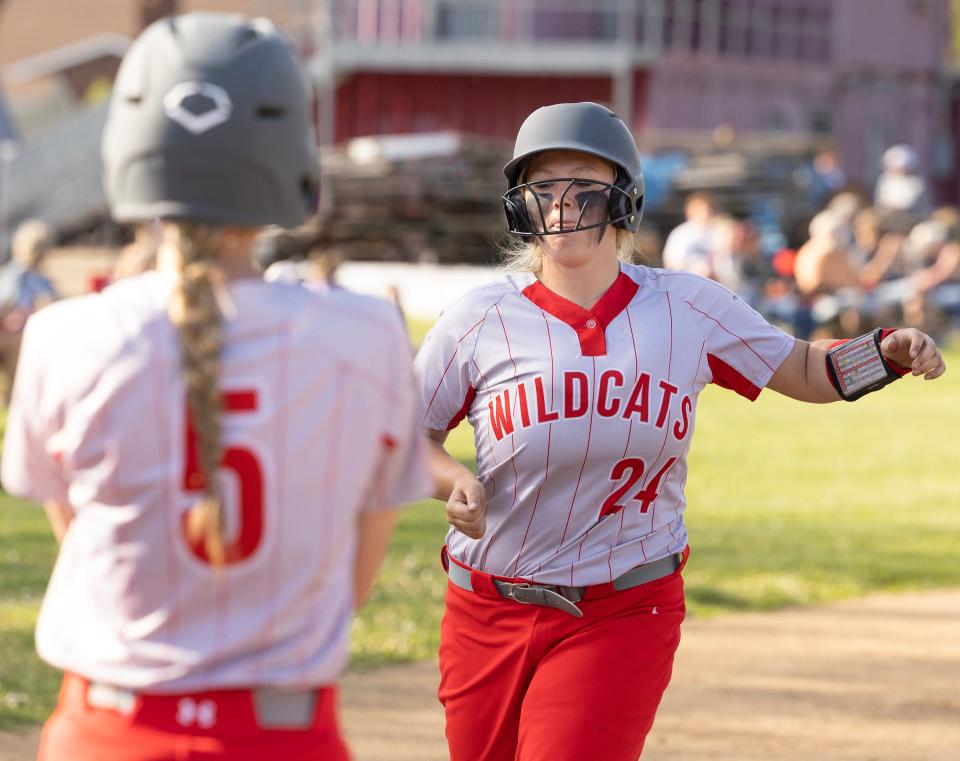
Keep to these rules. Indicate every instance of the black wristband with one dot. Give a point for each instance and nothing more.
(858, 367)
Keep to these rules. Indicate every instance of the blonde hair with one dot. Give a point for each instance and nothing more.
(194, 310)
(524, 255)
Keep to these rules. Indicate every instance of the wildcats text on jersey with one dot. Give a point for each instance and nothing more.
(648, 400)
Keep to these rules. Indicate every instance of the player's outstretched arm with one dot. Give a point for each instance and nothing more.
(804, 376)
(457, 486)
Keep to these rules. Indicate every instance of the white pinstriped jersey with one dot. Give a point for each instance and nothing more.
(583, 418)
(320, 423)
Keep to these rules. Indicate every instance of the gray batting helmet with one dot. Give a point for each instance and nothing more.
(586, 127)
(210, 121)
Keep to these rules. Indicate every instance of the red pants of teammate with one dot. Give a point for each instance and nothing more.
(155, 729)
(531, 683)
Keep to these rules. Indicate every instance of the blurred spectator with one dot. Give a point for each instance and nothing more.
(691, 246)
(725, 257)
(845, 206)
(23, 290)
(780, 302)
(826, 177)
(826, 278)
(822, 264)
(931, 292)
(754, 268)
(900, 189)
(23, 287)
(866, 238)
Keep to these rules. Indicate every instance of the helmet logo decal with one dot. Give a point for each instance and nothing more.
(198, 107)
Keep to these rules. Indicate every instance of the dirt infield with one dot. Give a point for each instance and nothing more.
(876, 679)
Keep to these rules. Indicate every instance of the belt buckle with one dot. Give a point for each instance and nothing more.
(533, 594)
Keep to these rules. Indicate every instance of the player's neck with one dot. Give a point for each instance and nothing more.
(583, 285)
(233, 263)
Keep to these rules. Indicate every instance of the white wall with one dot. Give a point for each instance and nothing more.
(424, 289)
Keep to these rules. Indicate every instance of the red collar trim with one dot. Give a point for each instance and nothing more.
(589, 324)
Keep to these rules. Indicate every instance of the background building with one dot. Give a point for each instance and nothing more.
(858, 74)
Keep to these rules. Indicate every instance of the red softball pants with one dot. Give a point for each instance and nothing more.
(531, 683)
(219, 725)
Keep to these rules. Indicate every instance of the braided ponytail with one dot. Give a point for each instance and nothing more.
(194, 311)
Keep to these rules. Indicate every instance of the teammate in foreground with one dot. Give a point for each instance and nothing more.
(218, 460)
(580, 374)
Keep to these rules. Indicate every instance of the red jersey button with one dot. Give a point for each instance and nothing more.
(591, 324)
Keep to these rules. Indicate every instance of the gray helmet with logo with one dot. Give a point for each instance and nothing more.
(210, 122)
(587, 127)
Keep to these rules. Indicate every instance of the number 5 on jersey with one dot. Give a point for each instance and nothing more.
(631, 470)
(245, 467)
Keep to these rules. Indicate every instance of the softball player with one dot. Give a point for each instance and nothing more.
(219, 461)
(580, 374)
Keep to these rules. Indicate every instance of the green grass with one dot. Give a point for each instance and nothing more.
(418, 329)
(795, 504)
(28, 688)
(789, 504)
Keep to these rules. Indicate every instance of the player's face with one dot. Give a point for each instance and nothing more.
(556, 205)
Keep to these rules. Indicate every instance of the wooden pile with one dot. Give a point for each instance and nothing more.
(414, 198)
(436, 197)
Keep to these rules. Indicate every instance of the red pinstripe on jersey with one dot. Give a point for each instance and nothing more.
(546, 466)
(513, 448)
(275, 567)
(653, 467)
(670, 350)
(453, 356)
(586, 454)
(626, 448)
(486, 385)
(686, 448)
(171, 519)
(326, 502)
(739, 338)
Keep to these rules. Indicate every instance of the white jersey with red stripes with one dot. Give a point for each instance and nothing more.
(583, 418)
(320, 423)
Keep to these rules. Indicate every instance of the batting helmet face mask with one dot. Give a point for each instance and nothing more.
(210, 122)
(587, 128)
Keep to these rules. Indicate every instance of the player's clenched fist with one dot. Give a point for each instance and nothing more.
(910, 348)
(467, 507)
